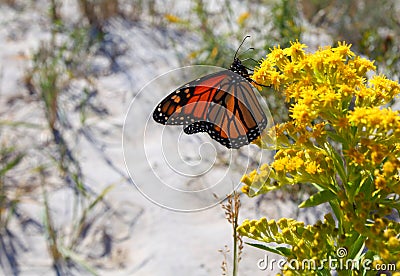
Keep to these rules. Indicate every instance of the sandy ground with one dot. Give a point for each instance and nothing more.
(146, 239)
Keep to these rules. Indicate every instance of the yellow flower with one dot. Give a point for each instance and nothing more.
(246, 180)
(342, 123)
(245, 189)
(318, 130)
(380, 183)
(343, 49)
(385, 87)
(295, 51)
(328, 97)
(318, 62)
(345, 90)
(290, 69)
(384, 253)
(361, 65)
(301, 114)
(377, 154)
(214, 52)
(334, 61)
(365, 92)
(298, 162)
(262, 74)
(308, 95)
(294, 163)
(388, 167)
(243, 17)
(394, 242)
(389, 233)
(375, 118)
(312, 167)
(172, 18)
(357, 157)
(377, 264)
(279, 164)
(278, 57)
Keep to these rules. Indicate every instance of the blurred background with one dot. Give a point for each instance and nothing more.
(68, 71)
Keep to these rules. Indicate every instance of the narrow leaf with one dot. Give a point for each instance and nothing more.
(337, 161)
(318, 198)
(101, 196)
(283, 251)
(11, 164)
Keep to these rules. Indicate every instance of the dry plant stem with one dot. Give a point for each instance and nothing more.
(235, 236)
(232, 215)
(224, 265)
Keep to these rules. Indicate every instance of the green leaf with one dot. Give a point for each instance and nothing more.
(354, 185)
(318, 198)
(354, 242)
(14, 162)
(283, 251)
(367, 185)
(336, 137)
(357, 248)
(70, 254)
(338, 214)
(100, 197)
(337, 161)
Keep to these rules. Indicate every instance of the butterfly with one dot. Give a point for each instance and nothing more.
(223, 104)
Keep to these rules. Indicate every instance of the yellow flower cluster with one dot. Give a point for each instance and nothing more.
(289, 167)
(380, 232)
(330, 98)
(343, 139)
(376, 121)
(306, 242)
(299, 163)
(318, 84)
(383, 238)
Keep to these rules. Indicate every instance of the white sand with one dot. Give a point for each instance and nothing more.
(145, 239)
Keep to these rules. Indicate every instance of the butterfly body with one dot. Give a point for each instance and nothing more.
(223, 104)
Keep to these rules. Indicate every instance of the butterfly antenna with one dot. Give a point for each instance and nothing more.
(249, 49)
(246, 37)
(252, 59)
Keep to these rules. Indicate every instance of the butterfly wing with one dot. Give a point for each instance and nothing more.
(223, 104)
(189, 103)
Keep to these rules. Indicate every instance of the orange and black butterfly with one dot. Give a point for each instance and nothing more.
(223, 104)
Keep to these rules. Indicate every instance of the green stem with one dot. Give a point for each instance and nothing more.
(235, 259)
(235, 212)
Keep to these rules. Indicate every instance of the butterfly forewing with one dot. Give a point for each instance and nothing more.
(189, 103)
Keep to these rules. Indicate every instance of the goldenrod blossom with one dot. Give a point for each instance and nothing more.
(343, 139)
